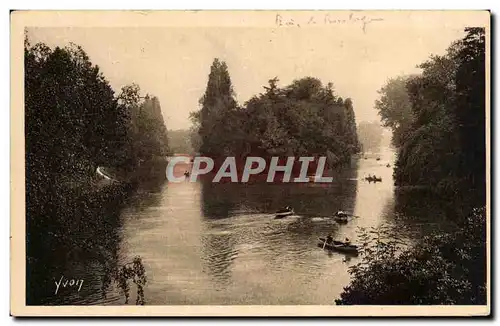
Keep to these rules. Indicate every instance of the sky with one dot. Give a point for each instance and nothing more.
(173, 63)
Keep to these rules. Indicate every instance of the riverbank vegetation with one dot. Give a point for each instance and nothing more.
(305, 118)
(438, 119)
(180, 141)
(75, 123)
(370, 136)
(443, 269)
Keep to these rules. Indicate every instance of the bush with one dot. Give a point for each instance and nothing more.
(442, 269)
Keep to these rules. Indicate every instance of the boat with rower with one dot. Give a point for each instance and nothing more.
(373, 179)
(339, 246)
(287, 211)
(341, 217)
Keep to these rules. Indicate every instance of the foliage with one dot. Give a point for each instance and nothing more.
(441, 269)
(71, 115)
(370, 135)
(470, 105)
(73, 124)
(147, 136)
(443, 113)
(218, 106)
(304, 118)
(438, 122)
(394, 108)
(132, 271)
(180, 141)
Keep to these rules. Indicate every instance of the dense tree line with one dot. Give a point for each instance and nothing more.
(440, 128)
(180, 141)
(438, 118)
(147, 137)
(370, 135)
(304, 118)
(394, 108)
(73, 124)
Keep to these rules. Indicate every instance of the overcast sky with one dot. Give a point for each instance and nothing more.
(173, 63)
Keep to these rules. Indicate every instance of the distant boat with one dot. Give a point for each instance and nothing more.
(341, 217)
(373, 179)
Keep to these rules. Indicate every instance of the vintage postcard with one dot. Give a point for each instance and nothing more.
(250, 163)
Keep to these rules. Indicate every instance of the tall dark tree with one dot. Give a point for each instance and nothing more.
(470, 80)
(147, 134)
(351, 134)
(217, 102)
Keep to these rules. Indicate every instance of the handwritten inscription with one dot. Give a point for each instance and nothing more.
(327, 19)
(74, 283)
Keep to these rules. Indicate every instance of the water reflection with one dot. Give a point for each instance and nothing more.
(80, 244)
(218, 252)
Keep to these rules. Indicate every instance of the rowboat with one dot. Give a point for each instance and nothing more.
(373, 179)
(341, 217)
(338, 246)
(283, 213)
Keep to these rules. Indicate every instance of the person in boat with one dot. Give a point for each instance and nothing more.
(285, 210)
(329, 239)
(347, 242)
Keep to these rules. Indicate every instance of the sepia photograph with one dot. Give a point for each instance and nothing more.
(249, 163)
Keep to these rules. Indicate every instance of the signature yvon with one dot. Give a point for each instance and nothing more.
(70, 283)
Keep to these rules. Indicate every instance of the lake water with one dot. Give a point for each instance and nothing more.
(206, 243)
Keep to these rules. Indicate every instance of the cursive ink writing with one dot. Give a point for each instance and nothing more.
(363, 20)
(68, 283)
(280, 21)
(327, 19)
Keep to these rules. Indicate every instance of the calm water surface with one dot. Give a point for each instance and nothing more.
(205, 243)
